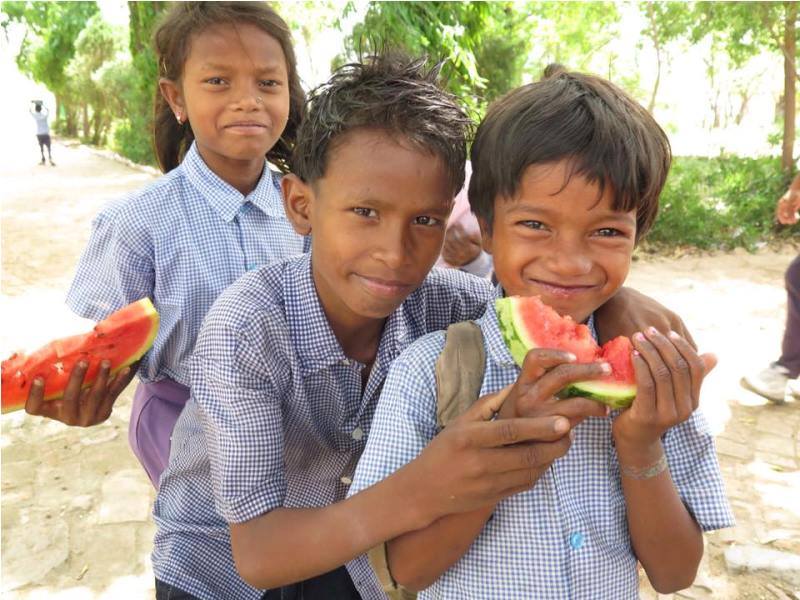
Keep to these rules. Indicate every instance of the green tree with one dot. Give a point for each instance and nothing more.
(88, 83)
(132, 135)
(484, 43)
(49, 44)
(747, 28)
(664, 22)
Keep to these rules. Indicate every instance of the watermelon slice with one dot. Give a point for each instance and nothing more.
(526, 323)
(122, 339)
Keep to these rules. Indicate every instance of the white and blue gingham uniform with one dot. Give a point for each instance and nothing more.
(277, 417)
(567, 538)
(180, 241)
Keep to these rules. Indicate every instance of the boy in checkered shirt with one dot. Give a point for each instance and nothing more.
(566, 178)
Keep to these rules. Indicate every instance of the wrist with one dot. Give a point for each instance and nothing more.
(638, 453)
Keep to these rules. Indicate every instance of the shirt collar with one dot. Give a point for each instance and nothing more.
(225, 199)
(495, 345)
(311, 334)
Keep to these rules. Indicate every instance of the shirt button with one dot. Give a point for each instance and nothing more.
(576, 540)
(346, 480)
(357, 434)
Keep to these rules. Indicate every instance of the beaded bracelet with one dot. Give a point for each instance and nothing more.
(656, 468)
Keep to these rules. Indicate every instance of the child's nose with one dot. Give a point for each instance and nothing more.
(571, 260)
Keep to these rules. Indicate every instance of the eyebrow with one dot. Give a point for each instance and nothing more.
(272, 68)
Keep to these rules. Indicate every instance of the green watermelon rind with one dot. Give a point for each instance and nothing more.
(511, 334)
(616, 396)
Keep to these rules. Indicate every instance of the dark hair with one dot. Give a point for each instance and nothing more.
(605, 134)
(389, 92)
(172, 41)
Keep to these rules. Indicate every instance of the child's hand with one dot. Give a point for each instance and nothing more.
(82, 407)
(475, 462)
(668, 377)
(545, 372)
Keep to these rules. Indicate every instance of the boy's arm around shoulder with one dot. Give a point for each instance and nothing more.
(629, 311)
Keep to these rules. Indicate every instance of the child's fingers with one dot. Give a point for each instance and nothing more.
(644, 405)
(661, 377)
(539, 360)
(697, 367)
(680, 373)
(485, 407)
(91, 405)
(561, 376)
(35, 400)
(70, 403)
(578, 408)
(504, 432)
(117, 384)
(523, 458)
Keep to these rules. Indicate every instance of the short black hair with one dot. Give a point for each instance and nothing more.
(605, 134)
(388, 92)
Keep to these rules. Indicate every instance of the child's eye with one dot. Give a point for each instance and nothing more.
(269, 83)
(215, 80)
(365, 212)
(427, 221)
(532, 224)
(609, 232)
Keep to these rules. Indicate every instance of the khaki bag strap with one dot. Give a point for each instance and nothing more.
(459, 371)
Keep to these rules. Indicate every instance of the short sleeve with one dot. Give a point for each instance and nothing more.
(233, 384)
(111, 273)
(695, 471)
(405, 418)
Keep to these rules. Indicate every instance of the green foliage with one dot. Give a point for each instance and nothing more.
(720, 203)
(132, 135)
(484, 43)
(92, 82)
(570, 33)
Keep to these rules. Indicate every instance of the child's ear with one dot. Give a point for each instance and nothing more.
(298, 198)
(171, 92)
(486, 234)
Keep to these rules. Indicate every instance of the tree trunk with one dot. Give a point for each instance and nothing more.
(789, 84)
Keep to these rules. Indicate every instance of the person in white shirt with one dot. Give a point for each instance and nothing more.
(40, 114)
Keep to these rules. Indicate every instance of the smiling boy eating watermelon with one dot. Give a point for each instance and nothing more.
(566, 178)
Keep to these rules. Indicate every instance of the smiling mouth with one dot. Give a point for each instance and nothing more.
(247, 127)
(384, 287)
(557, 289)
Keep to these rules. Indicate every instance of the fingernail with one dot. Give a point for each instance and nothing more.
(560, 425)
(83, 365)
(674, 335)
(571, 434)
(605, 368)
(636, 354)
(571, 357)
(38, 382)
(652, 331)
(638, 336)
(106, 364)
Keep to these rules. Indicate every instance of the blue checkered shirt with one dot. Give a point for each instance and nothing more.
(568, 536)
(277, 417)
(180, 241)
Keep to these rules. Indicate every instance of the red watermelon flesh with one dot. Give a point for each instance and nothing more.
(527, 323)
(122, 339)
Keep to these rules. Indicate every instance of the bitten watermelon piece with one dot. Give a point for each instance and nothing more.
(527, 323)
(122, 338)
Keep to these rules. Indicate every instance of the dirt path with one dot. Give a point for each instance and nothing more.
(76, 506)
